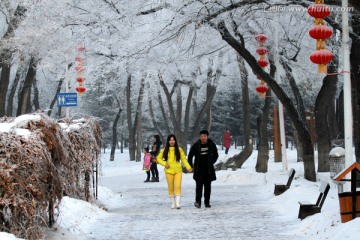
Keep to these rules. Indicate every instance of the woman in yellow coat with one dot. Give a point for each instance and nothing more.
(171, 158)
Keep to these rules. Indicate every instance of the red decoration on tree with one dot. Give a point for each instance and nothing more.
(80, 89)
(262, 89)
(262, 51)
(320, 32)
(263, 62)
(80, 70)
(319, 10)
(322, 57)
(261, 38)
(80, 79)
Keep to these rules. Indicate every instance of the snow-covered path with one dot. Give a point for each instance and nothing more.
(143, 212)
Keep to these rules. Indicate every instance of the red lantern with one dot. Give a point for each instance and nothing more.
(80, 90)
(319, 10)
(321, 57)
(80, 79)
(262, 50)
(263, 62)
(79, 59)
(262, 89)
(79, 68)
(320, 32)
(261, 38)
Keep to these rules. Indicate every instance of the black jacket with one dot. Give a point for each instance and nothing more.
(155, 149)
(212, 158)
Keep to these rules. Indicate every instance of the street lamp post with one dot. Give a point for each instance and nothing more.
(348, 120)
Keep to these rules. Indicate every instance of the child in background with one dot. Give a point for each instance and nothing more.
(147, 163)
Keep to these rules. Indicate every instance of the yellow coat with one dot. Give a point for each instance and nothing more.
(174, 166)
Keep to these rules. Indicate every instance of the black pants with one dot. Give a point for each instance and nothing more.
(147, 175)
(226, 150)
(154, 170)
(203, 182)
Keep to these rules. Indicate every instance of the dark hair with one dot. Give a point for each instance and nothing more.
(204, 132)
(166, 150)
(146, 149)
(157, 138)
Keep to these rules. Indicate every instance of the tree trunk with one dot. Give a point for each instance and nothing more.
(263, 146)
(114, 133)
(212, 82)
(4, 84)
(10, 100)
(129, 120)
(304, 135)
(25, 90)
(238, 160)
(36, 96)
(13, 21)
(324, 108)
(139, 121)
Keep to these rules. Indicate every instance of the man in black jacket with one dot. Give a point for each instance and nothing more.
(206, 154)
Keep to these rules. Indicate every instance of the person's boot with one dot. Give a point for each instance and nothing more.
(177, 201)
(172, 198)
(156, 179)
(152, 179)
(147, 180)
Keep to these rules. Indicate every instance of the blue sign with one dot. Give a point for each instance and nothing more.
(66, 99)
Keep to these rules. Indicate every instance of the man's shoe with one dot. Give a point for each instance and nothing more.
(197, 205)
(207, 205)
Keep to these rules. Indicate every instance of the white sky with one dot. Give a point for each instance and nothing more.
(243, 206)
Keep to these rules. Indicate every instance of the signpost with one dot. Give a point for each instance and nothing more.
(66, 99)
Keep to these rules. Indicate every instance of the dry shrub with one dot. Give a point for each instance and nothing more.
(38, 169)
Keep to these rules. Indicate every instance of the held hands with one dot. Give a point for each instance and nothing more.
(190, 170)
(167, 166)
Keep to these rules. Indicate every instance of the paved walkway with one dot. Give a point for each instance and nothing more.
(238, 212)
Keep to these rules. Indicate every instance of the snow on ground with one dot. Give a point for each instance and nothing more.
(121, 183)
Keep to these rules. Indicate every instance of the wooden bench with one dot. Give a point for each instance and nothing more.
(281, 188)
(307, 209)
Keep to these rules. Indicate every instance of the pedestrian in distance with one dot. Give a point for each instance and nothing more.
(171, 157)
(155, 149)
(206, 154)
(227, 140)
(147, 163)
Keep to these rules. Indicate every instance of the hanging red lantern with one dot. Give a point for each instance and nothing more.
(79, 59)
(321, 57)
(263, 62)
(320, 32)
(262, 51)
(80, 89)
(319, 10)
(80, 70)
(80, 79)
(262, 89)
(261, 38)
